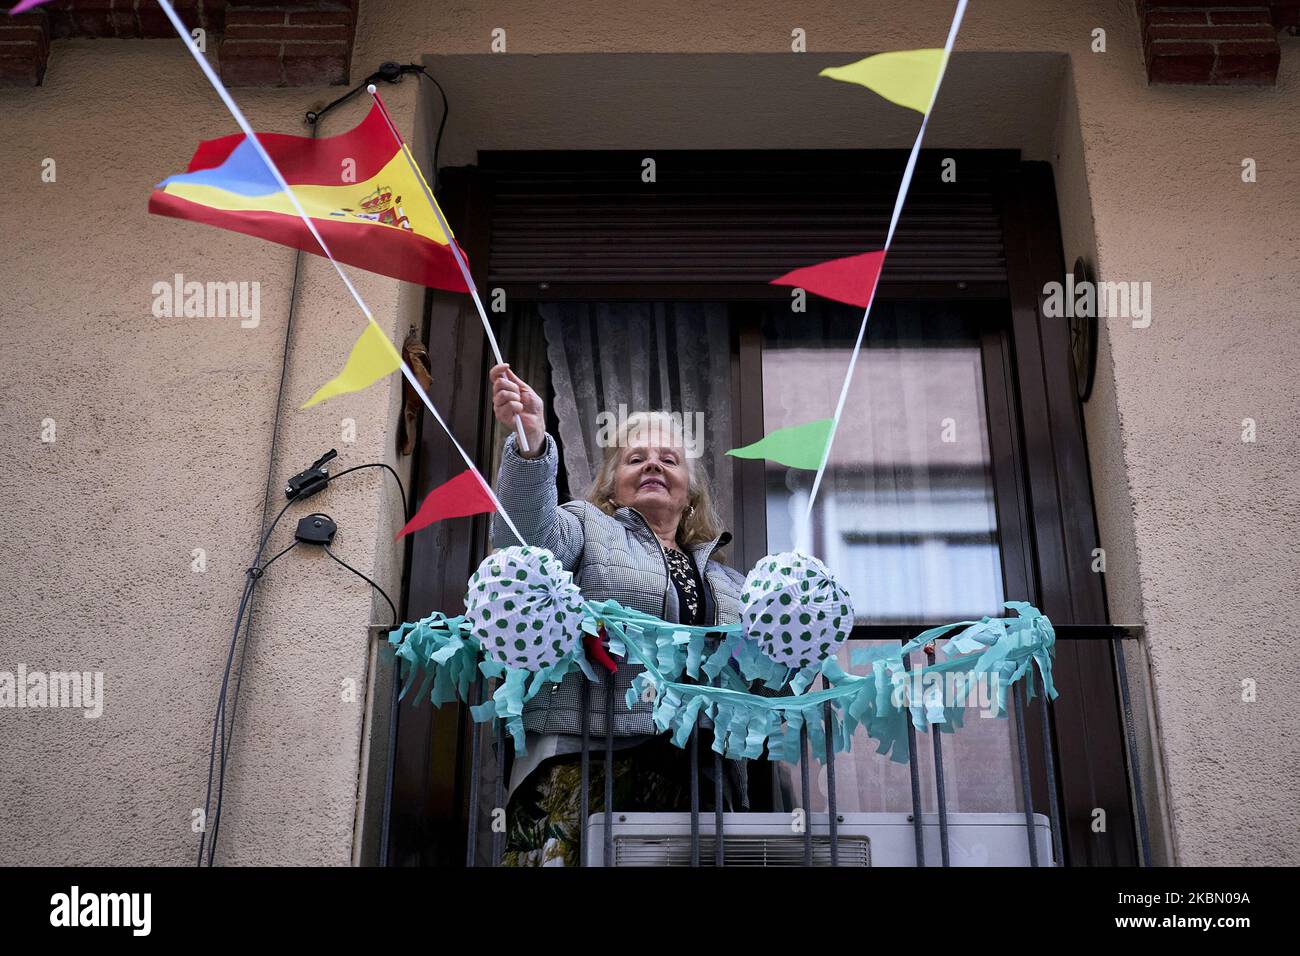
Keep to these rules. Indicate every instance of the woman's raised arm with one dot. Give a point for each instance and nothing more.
(526, 482)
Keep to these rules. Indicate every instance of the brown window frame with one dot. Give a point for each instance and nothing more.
(1043, 485)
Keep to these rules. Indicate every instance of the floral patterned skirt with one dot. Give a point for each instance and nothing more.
(542, 825)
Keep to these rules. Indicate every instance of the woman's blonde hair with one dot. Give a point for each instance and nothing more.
(699, 523)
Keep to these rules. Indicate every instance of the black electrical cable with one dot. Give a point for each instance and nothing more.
(253, 575)
(218, 721)
(437, 141)
(378, 464)
(219, 718)
(227, 730)
(282, 553)
(389, 72)
(394, 702)
(392, 607)
(392, 73)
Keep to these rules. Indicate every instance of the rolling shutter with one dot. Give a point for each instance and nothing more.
(737, 218)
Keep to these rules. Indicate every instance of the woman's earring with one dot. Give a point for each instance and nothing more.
(690, 512)
(612, 503)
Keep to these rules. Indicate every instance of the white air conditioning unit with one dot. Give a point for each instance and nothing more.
(865, 839)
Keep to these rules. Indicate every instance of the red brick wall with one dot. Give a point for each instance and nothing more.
(1221, 42)
(258, 43)
(24, 48)
(129, 19)
(310, 43)
(287, 45)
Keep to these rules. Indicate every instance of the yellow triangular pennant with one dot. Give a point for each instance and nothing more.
(905, 77)
(371, 359)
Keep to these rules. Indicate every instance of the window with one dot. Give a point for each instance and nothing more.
(906, 515)
(958, 477)
(906, 510)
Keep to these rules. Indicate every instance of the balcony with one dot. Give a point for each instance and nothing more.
(1023, 819)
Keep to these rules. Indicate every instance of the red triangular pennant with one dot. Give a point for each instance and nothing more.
(851, 279)
(595, 647)
(461, 496)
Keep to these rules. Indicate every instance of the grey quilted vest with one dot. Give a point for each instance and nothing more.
(611, 557)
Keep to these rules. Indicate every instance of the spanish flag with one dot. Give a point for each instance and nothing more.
(359, 188)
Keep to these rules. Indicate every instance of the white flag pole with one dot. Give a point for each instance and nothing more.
(451, 242)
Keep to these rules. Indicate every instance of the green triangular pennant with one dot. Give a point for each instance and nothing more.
(799, 446)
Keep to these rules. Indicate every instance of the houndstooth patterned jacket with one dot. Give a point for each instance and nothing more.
(613, 557)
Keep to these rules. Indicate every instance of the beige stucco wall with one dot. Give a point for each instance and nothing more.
(162, 443)
(164, 425)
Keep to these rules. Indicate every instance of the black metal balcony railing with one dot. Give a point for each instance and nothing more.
(902, 633)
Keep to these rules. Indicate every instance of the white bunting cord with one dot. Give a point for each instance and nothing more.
(803, 539)
(302, 213)
(451, 242)
(419, 389)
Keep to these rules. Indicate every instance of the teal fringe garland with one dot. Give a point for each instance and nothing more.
(991, 653)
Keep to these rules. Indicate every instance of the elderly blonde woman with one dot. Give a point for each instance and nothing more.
(646, 536)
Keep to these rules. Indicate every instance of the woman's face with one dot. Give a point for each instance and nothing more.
(652, 479)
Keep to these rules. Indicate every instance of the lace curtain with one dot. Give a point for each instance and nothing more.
(625, 357)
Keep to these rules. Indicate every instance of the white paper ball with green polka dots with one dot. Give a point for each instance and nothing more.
(796, 611)
(524, 608)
